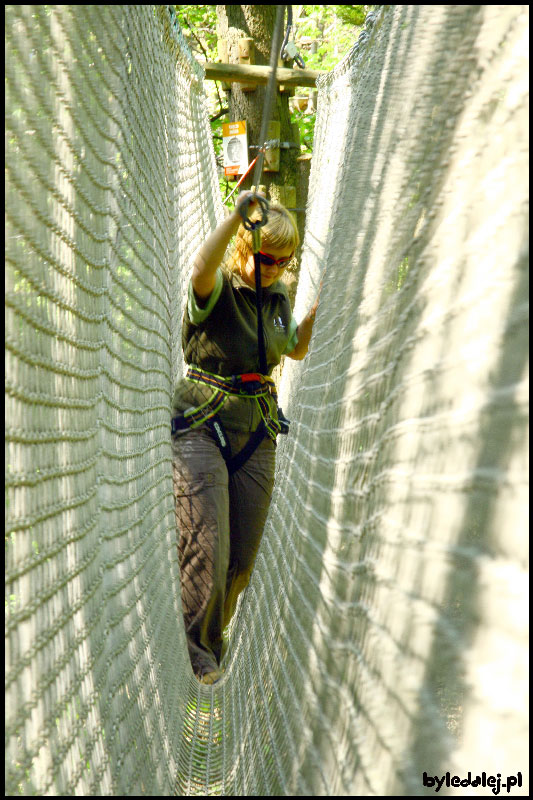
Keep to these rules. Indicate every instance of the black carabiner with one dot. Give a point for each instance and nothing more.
(243, 211)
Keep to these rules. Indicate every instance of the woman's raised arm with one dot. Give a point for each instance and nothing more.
(211, 253)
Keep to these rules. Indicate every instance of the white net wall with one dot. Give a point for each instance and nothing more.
(111, 188)
(403, 505)
(384, 631)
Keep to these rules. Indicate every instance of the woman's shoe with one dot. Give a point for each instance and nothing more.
(210, 677)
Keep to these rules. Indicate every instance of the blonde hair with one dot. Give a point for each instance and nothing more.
(280, 231)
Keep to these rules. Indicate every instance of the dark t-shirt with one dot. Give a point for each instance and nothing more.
(221, 338)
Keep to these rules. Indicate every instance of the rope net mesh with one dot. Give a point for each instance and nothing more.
(384, 630)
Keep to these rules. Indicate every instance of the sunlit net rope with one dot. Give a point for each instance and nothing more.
(383, 633)
(111, 188)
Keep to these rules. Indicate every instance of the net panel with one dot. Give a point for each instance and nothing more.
(383, 632)
(402, 513)
(109, 159)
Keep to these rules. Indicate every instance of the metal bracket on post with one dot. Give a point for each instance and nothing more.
(272, 143)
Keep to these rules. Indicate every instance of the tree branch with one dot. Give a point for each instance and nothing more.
(204, 51)
(220, 114)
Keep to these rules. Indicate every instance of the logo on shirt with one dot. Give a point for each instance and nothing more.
(279, 325)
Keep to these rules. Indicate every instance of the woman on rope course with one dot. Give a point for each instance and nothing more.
(237, 325)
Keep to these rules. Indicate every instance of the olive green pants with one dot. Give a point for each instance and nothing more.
(220, 521)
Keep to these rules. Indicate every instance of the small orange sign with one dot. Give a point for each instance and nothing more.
(234, 128)
(235, 147)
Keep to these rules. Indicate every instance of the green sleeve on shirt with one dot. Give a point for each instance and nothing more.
(293, 336)
(197, 314)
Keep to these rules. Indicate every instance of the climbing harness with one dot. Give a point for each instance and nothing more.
(247, 385)
(251, 385)
(256, 385)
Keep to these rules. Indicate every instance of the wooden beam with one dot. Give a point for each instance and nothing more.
(245, 73)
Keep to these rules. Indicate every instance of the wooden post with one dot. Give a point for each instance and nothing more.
(288, 90)
(223, 56)
(271, 162)
(304, 170)
(290, 197)
(246, 58)
(296, 133)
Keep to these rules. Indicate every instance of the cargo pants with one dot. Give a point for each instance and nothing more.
(220, 521)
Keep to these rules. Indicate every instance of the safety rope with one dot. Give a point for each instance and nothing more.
(255, 226)
(269, 95)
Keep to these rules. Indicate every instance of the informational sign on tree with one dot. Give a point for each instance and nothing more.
(235, 148)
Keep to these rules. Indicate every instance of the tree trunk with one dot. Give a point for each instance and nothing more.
(285, 185)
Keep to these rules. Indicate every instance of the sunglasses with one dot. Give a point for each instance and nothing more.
(268, 261)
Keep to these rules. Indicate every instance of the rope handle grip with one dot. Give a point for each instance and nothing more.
(243, 211)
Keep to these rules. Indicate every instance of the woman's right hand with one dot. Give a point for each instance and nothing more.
(243, 198)
(210, 255)
(248, 203)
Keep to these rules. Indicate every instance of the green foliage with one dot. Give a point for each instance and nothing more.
(198, 24)
(306, 124)
(324, 34)
(352, 15)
